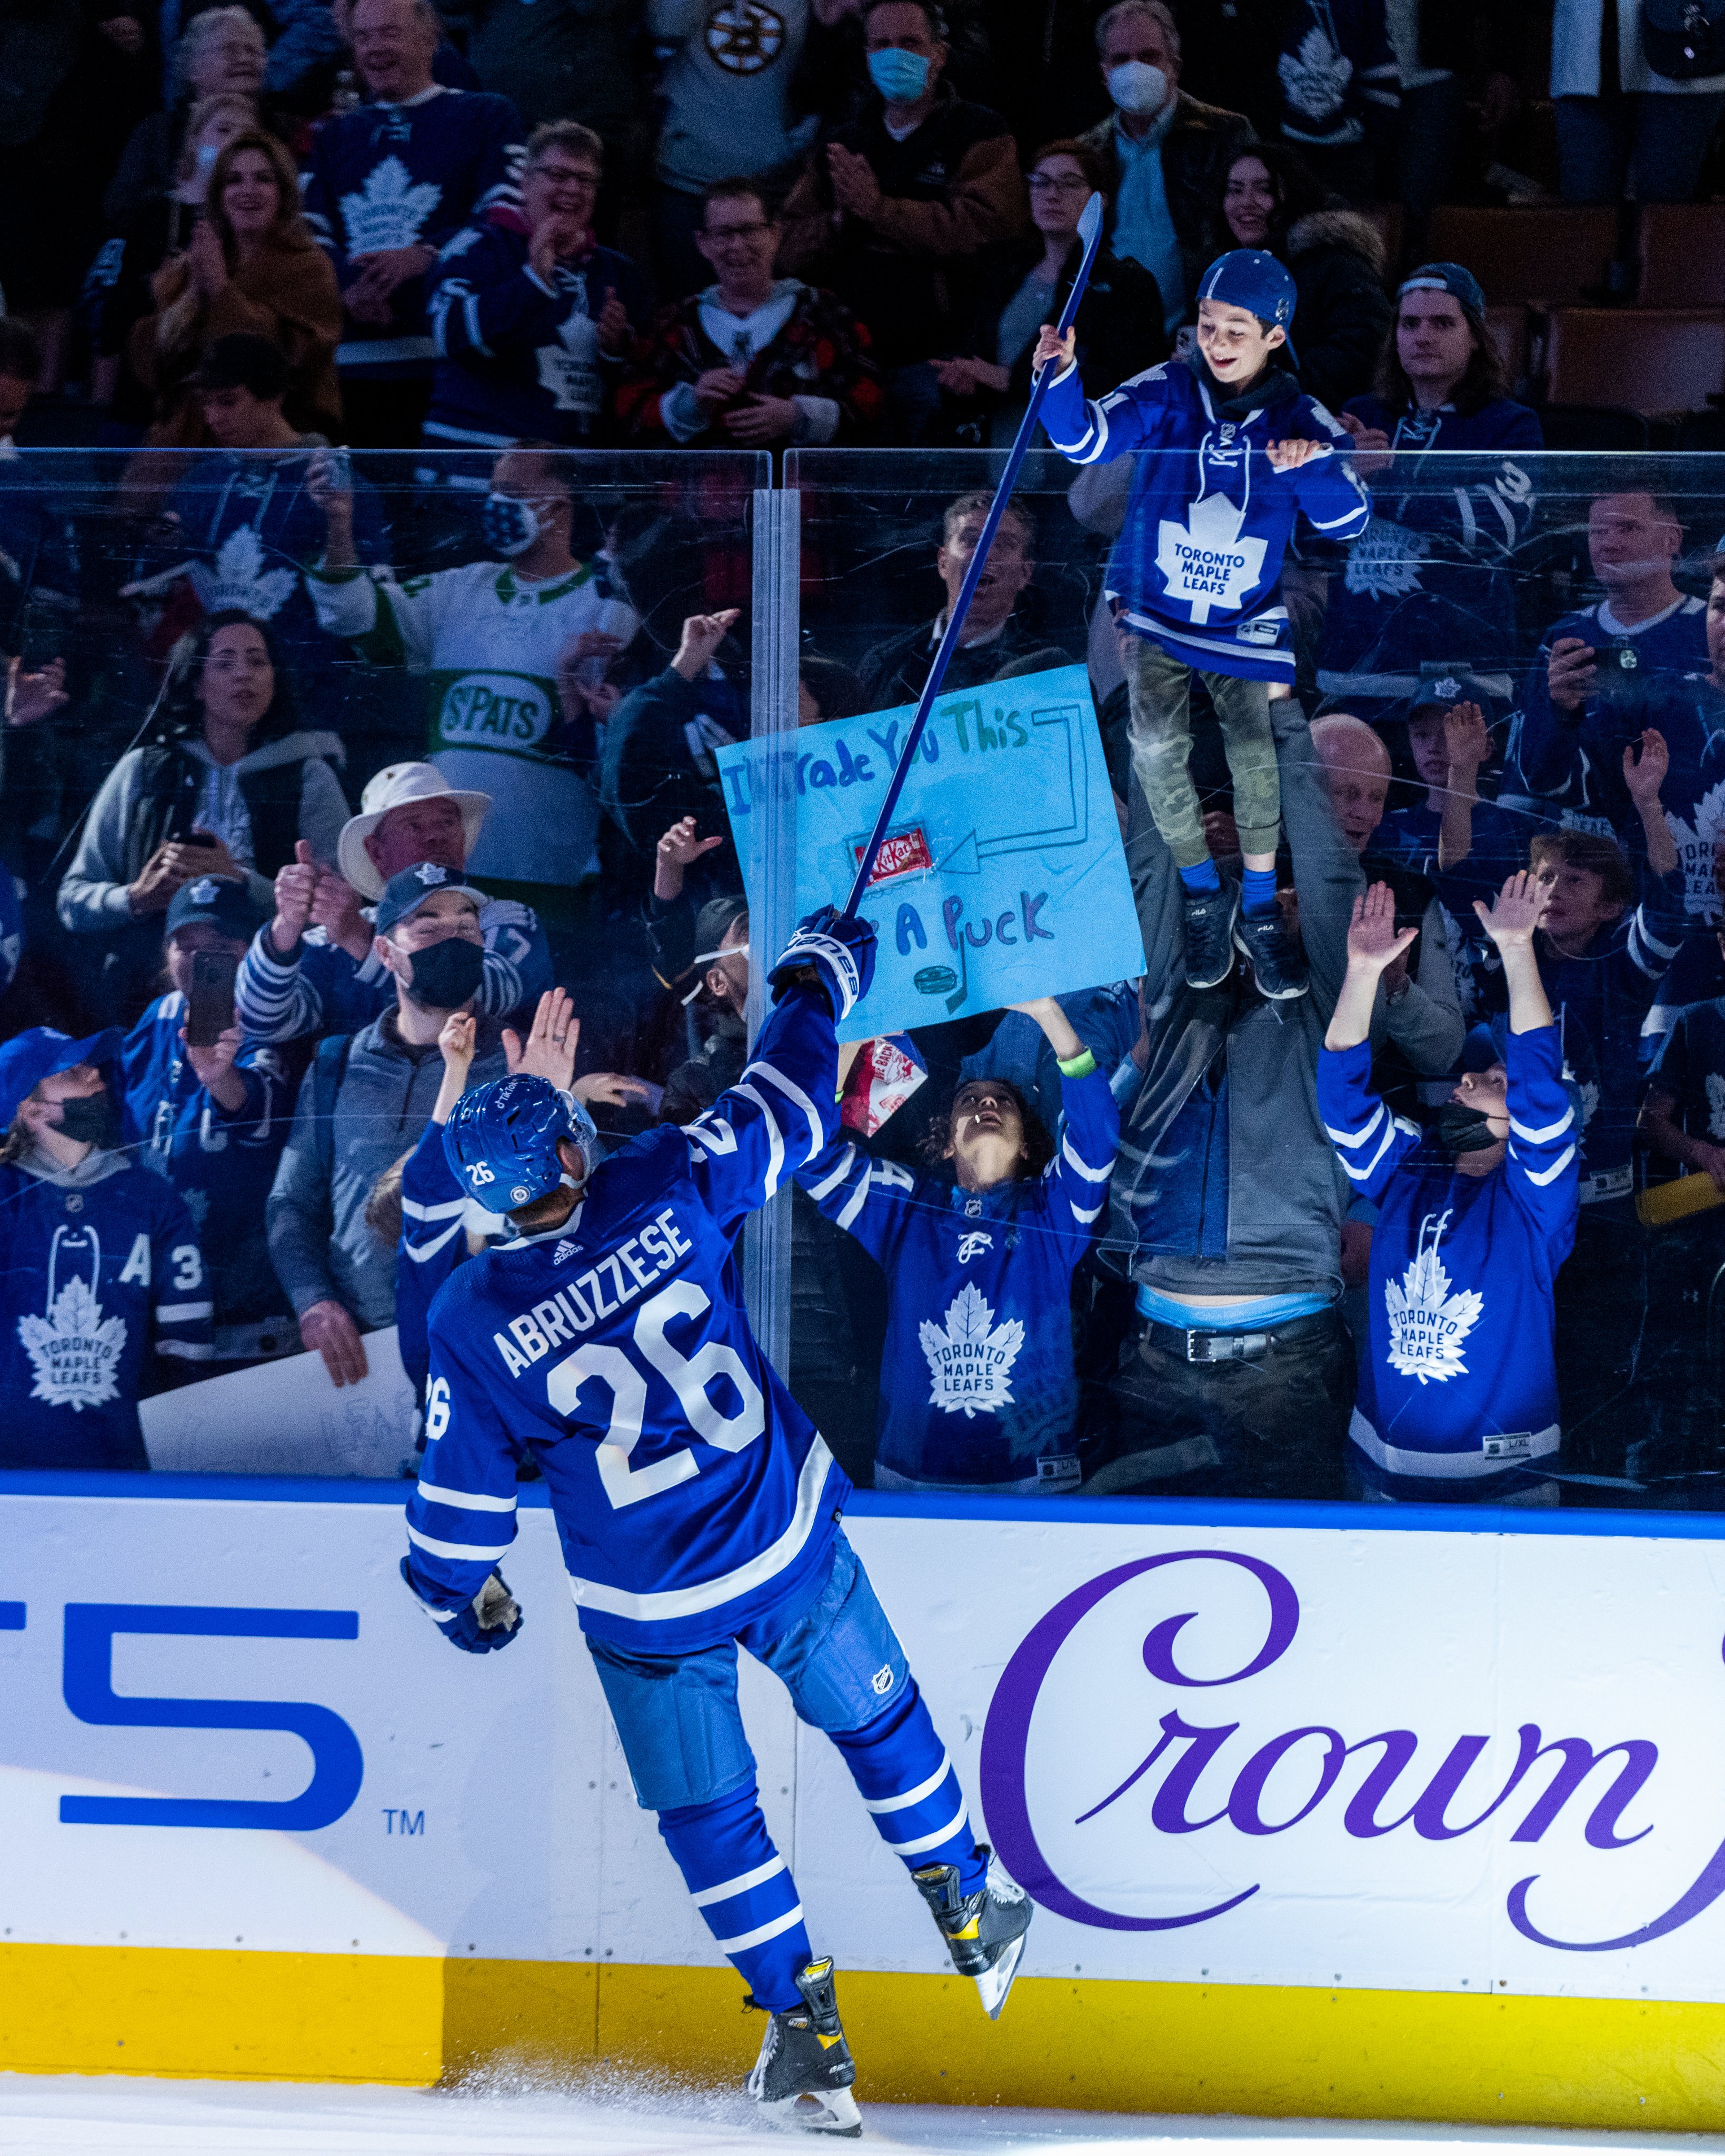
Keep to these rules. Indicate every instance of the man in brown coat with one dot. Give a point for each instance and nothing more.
(895, 209)
(1166, 155)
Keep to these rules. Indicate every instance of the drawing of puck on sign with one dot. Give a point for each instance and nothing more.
(935, 980)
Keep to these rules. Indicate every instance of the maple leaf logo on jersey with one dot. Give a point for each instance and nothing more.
(390, 210)
(1383, 562)
(239, 578)
(970, 1359)
(1428, 1324)
(1204, 562)
(1695, 844)
(1715, 1105)
(75, 1351)
(1315, 80)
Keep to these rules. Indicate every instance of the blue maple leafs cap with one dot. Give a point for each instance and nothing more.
(218, 902)
(39, 1053)
(1251, 279)
(405, 893)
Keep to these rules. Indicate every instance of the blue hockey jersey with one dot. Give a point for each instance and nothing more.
(387, 175)
(1409, 836)
(322, 990)
(1458, 1389)
(517, 358)
(693, 1495)
(220, 1164)
(977, 1382)
(1447, 516)
(1690, 1068)
(100, 1267)
(1198, 564)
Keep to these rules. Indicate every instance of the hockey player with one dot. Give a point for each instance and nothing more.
(99, 1266)
(697, 1505)
(1195, 578)
(978, 1390)
(1458, 1394)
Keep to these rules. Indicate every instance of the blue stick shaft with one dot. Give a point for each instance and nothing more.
(978, 561)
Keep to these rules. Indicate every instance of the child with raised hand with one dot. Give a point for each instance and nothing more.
(1235, 452)
(1458, 1391)
(978, 1390)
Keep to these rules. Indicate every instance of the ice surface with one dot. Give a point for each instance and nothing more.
(619, 2114)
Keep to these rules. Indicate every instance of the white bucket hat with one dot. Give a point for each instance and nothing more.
(395, 784)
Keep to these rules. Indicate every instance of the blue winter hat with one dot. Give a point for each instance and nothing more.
(406, 893)
(1250, 278)
(220, 902)
(1461, 284)
(29, 1057)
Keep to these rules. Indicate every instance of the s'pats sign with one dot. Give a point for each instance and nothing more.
(1004, 877)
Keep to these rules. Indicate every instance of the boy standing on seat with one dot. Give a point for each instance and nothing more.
(1237, 452)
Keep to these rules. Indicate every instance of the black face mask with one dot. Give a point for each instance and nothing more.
(1462, 1129)
(90, 1119)
(445, 975)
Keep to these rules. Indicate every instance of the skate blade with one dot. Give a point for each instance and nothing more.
(827, 2111)
(993, 1983)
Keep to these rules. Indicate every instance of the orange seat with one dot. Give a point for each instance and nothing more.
(1682, 251)
(1388, 218)
(1551, 253)
(1508, 329)
(1649, 360)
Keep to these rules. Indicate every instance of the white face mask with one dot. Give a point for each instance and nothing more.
(1136, 86)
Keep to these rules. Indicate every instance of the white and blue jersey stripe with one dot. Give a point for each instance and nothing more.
(692, 1495)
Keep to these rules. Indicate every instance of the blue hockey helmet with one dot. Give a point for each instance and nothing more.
(501, 1141)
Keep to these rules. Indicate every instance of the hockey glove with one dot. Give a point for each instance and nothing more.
(841, 953)
(491, 1620)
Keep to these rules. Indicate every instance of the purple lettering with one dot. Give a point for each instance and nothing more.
(1030, 907)
(1248, 1792)
(951, 909)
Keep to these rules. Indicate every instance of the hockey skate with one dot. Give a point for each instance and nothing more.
(984, 1931)
(803, 2075)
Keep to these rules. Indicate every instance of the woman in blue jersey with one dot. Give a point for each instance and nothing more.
(977, 1386)
(1458, 1391)
(213, 1120)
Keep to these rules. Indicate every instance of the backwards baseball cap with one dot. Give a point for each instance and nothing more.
(29, 1057)
(1462, 285)
(403, 894)
(220, 902)
(242, 361)
(392, 787)
(1250, 278)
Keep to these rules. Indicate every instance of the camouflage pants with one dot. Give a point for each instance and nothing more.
(1160, 688)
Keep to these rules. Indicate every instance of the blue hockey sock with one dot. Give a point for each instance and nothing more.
(743, 1888)
(1203, 877)
(1257, 890)
(901, 1770)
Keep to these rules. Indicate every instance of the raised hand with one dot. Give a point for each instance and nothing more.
(675, 850)
(1371, 446)
(1467, 742)
(702, 635)
(1646, 774)
(335, 909)
(1516, 912)
(213, 1067)
(456, 1041)
(1570, 673)
(296, 892)
(616, 1089)
(616, 333)
(1374, 941)
(549, 1049)
(1063, 350)
(33, 696)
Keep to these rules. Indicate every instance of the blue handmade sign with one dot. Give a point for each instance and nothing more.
(1003, 877)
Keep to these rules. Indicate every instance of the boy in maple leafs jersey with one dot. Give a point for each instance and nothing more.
(977, 1384)
(101, 1270)
(1235, 454)
(1458, 1392)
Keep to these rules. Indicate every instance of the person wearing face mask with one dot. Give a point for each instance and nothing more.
(515, 648)
(1458, 1395)
(250, 268)
(101, 1270)
(895, 208)
(1163, 154)
(214, 1119)
(977, 1391)
(364, 1102)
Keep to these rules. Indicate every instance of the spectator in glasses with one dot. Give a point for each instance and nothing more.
(1119, 320)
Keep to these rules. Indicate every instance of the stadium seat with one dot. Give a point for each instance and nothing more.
(1681, 247)
(1388, 218)
(1554, 253)
(1649, 360)
(1508, 329)
(1605, 429)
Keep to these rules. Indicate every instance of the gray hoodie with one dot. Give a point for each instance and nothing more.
(92, 896)
(322, 1248)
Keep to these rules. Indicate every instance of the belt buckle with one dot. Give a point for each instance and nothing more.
(1226, 1346)
(1198, 1347)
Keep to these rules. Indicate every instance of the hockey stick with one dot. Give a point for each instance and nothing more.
(1089, 230)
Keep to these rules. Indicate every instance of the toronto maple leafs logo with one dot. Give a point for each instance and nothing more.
(203, 892)
(1204, 563)
(1383, 562)
(428, 872)
(1427, 1323)
(239, 578)
(1697, 844)
(74, 1349)
(1315, 80)
(970, 1358)
(1715, 1105)
(389, 211)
